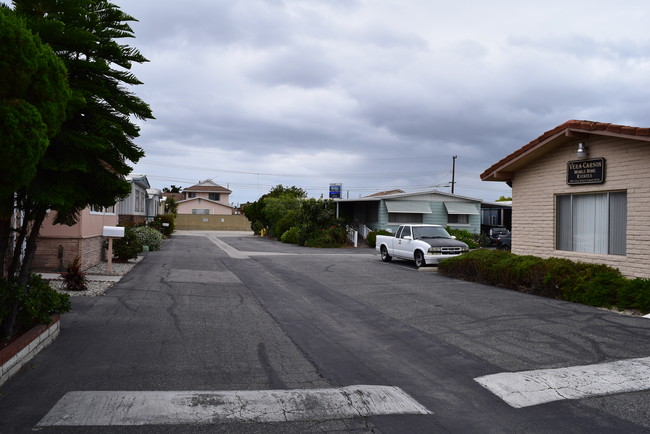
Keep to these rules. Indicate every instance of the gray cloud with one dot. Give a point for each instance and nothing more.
(375, 94)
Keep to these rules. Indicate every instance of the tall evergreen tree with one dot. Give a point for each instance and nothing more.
(87, 160)
(33, 98)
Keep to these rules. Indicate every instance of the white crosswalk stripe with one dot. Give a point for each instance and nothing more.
(112, 408)
(524, 389)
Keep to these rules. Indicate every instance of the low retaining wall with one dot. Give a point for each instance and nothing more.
(212, 222)
(23, 349)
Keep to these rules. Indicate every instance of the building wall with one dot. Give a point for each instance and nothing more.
(212, 222)
(536, 186)
(438, 215)
(200, 203)
(83, 239)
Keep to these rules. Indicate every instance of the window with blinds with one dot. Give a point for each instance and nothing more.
(592, 223)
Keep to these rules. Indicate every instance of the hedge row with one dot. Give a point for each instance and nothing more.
(592, 284)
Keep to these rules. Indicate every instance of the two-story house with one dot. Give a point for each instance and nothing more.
(206, 197)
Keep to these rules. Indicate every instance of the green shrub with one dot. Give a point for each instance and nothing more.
(372, 237)
(149, 237)
(165, 218)
(128, 246)
(635, 294)
(594, 285)
(286, 222)
(292, 236)
(74, 279)
(39, 301)
(36, 302)
(333, 236)
(591, 284)
(472, 240)
(257, 227)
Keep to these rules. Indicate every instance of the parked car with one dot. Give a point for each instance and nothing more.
(495, 232)
(424, 244)
(504, 242)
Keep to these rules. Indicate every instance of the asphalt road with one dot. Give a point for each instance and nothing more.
(238, 313)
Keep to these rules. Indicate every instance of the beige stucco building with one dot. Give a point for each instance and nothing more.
(582, 191)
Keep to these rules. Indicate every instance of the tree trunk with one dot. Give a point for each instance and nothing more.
(5, 231)
(30, 249)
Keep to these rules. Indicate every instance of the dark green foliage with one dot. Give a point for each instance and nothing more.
(37, 302)
(579, 282)
(128, 246)
(171, 207)
(472, 240)
(33, 99)
(74, 279)
(83, 164)
(372, 237)
(257, 213)
(333, 236)
(257, 227)
(291, 218)
(293, 236)
(635, 294)
(165, 218)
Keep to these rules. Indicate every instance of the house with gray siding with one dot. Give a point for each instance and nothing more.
(389, 210)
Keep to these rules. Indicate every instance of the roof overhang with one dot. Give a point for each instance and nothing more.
(461, 208)
(568, 132)
(408, 206)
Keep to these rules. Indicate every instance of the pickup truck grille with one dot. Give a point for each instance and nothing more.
(451, 250)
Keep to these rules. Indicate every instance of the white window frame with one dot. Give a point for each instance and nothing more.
(98, 210)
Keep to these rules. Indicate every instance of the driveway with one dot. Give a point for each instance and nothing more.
(174, 346)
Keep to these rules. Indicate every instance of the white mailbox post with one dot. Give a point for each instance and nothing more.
(111, 232)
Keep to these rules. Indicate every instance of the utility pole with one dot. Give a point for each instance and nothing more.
(453, 173)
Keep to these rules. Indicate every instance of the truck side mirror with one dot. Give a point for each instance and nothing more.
(408, 237)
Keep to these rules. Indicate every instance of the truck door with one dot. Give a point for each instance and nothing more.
(403, 247)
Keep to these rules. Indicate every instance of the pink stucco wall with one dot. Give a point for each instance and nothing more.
(83, 239)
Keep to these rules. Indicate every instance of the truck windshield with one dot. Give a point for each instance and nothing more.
(430, 232)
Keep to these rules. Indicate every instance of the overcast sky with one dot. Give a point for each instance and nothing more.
(379, 94)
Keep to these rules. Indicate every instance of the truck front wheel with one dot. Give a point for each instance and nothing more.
(384, 254)
(419, 259)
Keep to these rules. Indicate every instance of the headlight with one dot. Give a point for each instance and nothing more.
(435, 250)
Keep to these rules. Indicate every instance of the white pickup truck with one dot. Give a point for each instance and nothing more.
(424, 244)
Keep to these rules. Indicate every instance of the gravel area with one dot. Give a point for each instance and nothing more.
(118, 268)
(97, 287)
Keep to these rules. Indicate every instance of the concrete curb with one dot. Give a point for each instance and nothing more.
(95, 277)
(22, 350)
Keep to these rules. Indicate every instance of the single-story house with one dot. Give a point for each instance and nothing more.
(132, 209)
(388, 210)
(152, 203)
(581, 191)
(206, 197)
(496, 214)
(57, 245)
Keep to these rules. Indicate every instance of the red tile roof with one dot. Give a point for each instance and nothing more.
(576, 126)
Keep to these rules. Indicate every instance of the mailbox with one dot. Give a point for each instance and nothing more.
(113, 232)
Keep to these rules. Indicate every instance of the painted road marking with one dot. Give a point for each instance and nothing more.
(238, 254)
(524, 389)
(97, 408)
